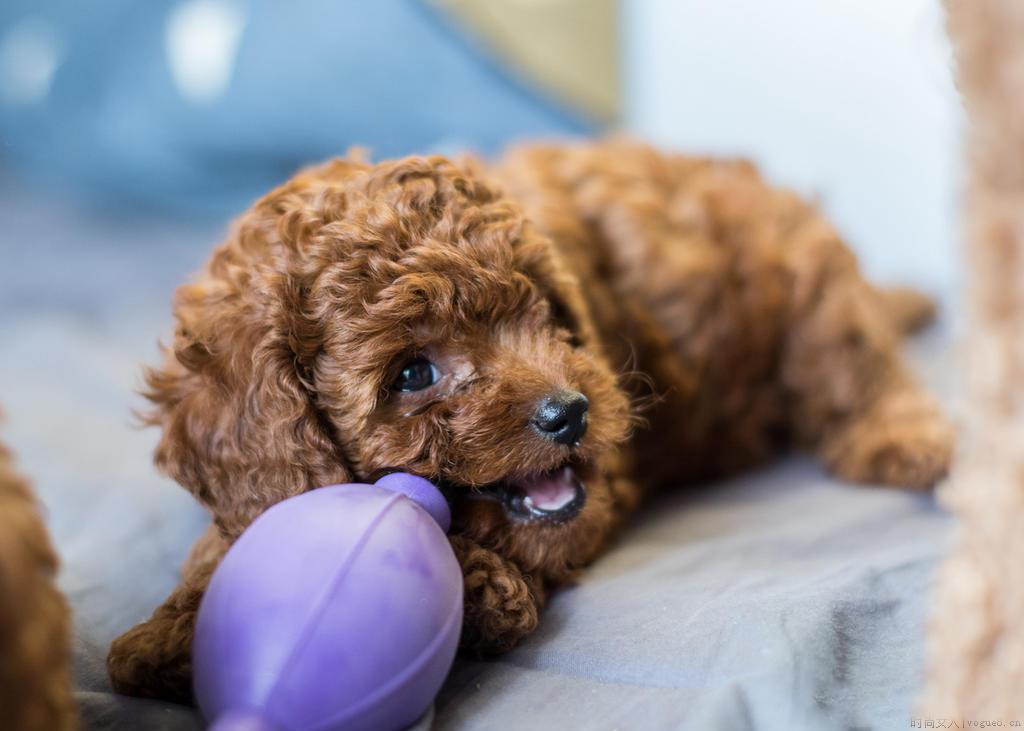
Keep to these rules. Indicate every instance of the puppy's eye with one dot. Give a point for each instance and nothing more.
(416, 375)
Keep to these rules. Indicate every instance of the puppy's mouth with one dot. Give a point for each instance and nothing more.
(555, 496)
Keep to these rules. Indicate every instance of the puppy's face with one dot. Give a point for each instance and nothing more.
(460, 349)
(434, 331)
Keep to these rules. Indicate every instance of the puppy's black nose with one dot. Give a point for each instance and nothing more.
(562, 417)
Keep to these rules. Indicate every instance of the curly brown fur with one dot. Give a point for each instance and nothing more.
(738, 305)
(35, 625)
(502, 604)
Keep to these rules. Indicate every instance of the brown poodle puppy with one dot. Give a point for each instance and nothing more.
(35, 626)
(412, 315)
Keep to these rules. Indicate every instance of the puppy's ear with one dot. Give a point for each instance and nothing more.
(240, 427)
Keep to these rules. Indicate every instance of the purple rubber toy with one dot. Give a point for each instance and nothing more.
(338, 609)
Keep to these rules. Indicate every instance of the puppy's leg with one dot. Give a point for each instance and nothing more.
(154, 658)
(855, 403)
(908, 309)
(501, 605)
(901, 439)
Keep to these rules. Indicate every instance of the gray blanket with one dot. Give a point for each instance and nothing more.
(782, 600)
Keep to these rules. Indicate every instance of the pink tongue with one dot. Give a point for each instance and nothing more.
(552, 491)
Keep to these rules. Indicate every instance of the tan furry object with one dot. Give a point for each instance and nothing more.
(548, 337)
(35, 625)
(976, 637)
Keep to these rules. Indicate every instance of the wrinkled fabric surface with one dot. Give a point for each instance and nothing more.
(781, 600)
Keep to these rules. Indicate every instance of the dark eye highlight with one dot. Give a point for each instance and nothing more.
(416, 375)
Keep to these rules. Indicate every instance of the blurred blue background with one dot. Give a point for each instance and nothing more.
(205, 104)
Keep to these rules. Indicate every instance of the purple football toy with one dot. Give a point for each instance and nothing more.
(338, 609)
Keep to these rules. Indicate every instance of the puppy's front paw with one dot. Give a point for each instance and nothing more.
(153, 659)
(901, 447)
(500, 606)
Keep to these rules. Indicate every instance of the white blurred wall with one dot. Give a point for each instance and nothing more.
(850, 101)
